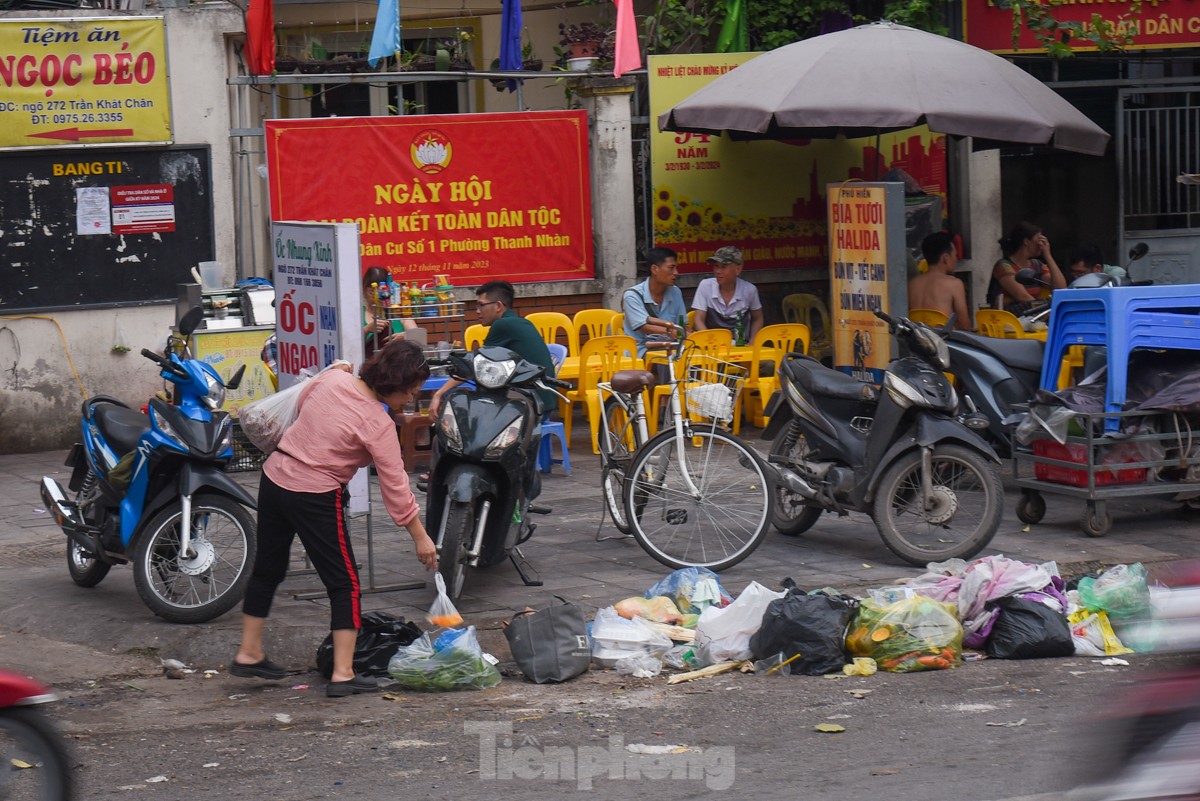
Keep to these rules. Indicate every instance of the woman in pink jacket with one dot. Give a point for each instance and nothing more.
(341, 426)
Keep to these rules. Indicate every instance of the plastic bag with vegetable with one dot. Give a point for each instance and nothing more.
(454, 661)
(906, 636)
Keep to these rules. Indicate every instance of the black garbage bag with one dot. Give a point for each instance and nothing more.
(813, 626)
(378, 639)
(1027, 629)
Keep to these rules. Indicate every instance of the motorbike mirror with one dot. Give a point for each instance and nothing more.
(236, 381)
(1092, 281)
(1138, 251)
(1028, 277)
(190, 321)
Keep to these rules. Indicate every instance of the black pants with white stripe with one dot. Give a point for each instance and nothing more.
(319, 519)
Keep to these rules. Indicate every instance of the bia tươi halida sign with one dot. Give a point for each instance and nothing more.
(766, 197)
(67, 82)
(472, 196)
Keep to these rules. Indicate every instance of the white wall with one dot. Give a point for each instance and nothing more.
(39, 395)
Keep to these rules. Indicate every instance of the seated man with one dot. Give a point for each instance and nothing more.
(1087, 259)
(654, 305)
(506, 330)
(726, 300)
(938, 289)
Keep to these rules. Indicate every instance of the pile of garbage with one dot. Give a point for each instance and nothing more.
(990, 607)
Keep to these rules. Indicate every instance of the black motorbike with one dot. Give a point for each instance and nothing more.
(994, 375)
(484, 476)
(897, 452)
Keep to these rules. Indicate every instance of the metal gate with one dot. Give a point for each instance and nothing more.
(1158, 138)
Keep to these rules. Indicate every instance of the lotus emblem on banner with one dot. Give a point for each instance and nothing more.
(431, 151)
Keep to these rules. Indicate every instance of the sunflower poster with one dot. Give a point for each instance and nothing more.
(766, 197)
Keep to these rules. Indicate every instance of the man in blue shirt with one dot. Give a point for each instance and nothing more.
(654, 306)
(506, 329)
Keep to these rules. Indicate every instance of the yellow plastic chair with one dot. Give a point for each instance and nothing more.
(599, 358)
(617, 325)
(549, 324)
(998, 323)
(691, 323)
(592, 322)
(474, 335)
(781, 340)
(713, 342)
(931, 317)
(810, 310)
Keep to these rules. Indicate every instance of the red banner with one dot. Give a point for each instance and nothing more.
(1162, 23)
(472, 196)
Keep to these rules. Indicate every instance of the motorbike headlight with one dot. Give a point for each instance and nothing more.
(504, 440)
(493, 375)
(448, 426)
(215, 396)
(164, 427)
(904, 393)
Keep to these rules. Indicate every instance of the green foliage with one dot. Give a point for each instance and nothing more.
(682, 26)
(1056, 36)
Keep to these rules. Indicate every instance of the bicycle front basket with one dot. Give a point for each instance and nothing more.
(712, 387)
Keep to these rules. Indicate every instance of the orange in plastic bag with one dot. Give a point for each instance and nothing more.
(442, 612)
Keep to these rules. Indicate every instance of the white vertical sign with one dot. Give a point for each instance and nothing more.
(318, 304)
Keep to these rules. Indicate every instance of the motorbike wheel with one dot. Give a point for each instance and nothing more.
(967, 505)
(790, 514)
(211, 582)
(452, 561)
(614, 461)
(716, 530)
(85, 569)
(28, 738)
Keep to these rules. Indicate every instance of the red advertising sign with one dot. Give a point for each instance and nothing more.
(473, 196)
(1165, 23)
(143, 209)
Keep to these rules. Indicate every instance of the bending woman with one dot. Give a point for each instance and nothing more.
(341, 427)
(1025, 247)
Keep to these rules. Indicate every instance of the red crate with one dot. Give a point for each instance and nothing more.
(1078, 454)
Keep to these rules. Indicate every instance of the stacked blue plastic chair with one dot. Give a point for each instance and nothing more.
(554, 430)
(1124, 319)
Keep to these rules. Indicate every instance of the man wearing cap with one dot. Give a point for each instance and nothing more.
(726, 300)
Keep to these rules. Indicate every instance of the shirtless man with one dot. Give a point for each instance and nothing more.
(938, 288)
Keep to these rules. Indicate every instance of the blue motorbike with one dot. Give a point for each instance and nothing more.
(150, 489)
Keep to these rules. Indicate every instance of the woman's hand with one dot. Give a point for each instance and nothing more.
(426, 550)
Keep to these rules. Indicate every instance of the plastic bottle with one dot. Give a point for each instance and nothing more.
(681, 332)
(739, 329)
(405, 300)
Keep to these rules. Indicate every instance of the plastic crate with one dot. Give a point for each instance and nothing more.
(246, 457)
(1057, 474)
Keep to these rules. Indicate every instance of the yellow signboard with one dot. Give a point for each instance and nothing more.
(226, 351)
(68, 81)
(858, 258)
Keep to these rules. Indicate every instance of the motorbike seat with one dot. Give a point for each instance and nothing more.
(631, 381)
(821, 380)
(121, 426)
(1023, 354)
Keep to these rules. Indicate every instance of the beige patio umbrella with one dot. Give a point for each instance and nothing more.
(884, 77)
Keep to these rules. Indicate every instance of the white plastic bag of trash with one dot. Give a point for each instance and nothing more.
(724, 634)
(640, 666)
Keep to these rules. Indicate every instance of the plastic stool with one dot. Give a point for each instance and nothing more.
(545, 459)
(416, 439)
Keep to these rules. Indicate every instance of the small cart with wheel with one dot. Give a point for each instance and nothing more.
(1097, 469)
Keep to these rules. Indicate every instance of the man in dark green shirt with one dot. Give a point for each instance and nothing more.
(506, 329)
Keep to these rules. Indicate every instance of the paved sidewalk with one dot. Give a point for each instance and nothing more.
(37, 595)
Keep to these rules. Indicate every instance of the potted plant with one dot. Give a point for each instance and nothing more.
(529, 60)
(581, 40)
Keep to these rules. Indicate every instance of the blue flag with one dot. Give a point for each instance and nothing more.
(510, 38)
(385, 41)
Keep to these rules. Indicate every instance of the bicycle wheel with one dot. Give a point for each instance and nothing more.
(614, 461)
(717, 529)
(963, 514)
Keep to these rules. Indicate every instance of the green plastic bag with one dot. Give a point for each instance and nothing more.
(1121, 591)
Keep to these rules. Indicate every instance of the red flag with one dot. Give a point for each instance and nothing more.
(260, 37)
(627, 54)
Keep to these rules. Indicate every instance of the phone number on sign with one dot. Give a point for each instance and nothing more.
(77, 119)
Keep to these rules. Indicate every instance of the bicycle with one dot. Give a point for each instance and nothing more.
(693, 495)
